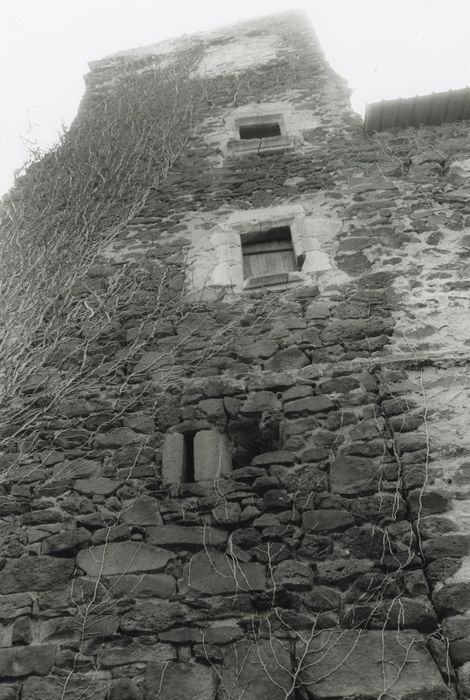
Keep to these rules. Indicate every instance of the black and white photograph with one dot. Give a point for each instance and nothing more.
(235, 350)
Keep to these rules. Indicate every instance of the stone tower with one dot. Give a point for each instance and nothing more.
(240, 470)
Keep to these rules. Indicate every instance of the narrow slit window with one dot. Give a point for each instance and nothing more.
(260, 131)
(188, 458)
(268, 252)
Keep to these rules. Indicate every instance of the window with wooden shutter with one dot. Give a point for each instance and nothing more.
(268, 252)
(264, 130)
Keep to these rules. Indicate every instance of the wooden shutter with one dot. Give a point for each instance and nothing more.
(268, 257)
(260, 131)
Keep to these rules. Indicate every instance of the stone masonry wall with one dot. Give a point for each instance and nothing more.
(319, 549)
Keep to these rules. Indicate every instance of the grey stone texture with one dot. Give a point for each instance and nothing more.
(201, 476)
(34, 574)
(356, 665)
(124, 689)
(142, 510)
(257, 670)
(24, 661)
(216, 573)
(179, 680)
(122, 558)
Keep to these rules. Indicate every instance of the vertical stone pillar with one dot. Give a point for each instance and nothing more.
(212, 458)
(173, 458)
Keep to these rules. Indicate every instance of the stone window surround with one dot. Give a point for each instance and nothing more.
(296, 223)
(215, 260)
(228, 247)
(238, 146)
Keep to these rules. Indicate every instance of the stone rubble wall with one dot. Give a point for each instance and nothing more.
(329, 559)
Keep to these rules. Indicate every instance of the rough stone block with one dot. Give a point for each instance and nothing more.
(98, 486)
(122, 558)
(261, 349)
(79, 686)
(339, 571)
(22, 631)
(411, 442)
(24, 661)
(464, 679)
(378, 508)
(35, 688)
(304, 407)
(175, 681)
(456, 627)
(214, 573)
(124, 689)
(275, 457)
(173, 458)
(14, 605)
(213, 410)
(340, 664)
(12, 506)
(423, 504)
(79, 591)
(454, 545)
(276, 499)
(150, 616)
(84, 685)
(453, 598)
(260, 401)
(354, 475)
(153, 360)
(459, 171)
(316, 310)
(34, 574)
(143, 586)
(299, 391)
(339, 331)
(66, 543)
(293, 575)
(322, 598)
(135, 654)
(257, 670)
(73, 628)
(226, 513)
(326, 520)
(212, 458)
(117, 437)
(112, 533)
(187, 537)
(143, 510)
(291, 358)
(77, 469)
(459, 651)
(401, 613)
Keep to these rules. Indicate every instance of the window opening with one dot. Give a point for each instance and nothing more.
(260, 131)
(188, 458)
(268, 252)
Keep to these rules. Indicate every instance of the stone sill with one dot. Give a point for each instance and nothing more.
(266, 145)
(279, 280)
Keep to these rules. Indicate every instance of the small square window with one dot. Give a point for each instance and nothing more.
(260, 134)
(260, 131)
(268, 252)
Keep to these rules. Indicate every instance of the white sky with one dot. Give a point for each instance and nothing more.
(384, 48)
